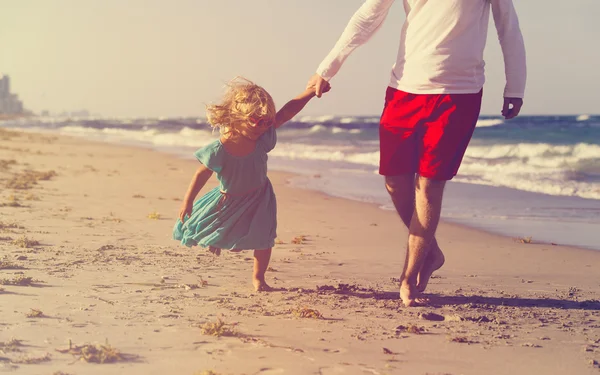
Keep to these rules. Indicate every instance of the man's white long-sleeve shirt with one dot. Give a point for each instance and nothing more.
(441, 45)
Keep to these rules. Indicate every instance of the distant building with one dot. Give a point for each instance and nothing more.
(9, 103)
(4, 86)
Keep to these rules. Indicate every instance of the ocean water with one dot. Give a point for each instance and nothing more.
(535, 176)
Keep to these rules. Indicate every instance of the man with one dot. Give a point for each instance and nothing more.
(431, 107)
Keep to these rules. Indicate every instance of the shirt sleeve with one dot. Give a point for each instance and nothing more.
(362, 26)
(513, 47)
(268, 139)
(211, 156)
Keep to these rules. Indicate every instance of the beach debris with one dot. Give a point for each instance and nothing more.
(453, 318)
(94, 353)
(218, 329)
(60, 373)
(6, 265)
(35, 313)
(388, 351)
(32, 360)
(8, 134)
(13, 198)
(524, 240)
(207, 372)
(203, 282)
(6, 164)
(13, 204)
(13, 345)
(299, 240)
(154, 215)
(573, 291)
(479, 319)
(106, 247)
(271, 269)
(19, 280)
(305, 312)
(461, 340)
(31, 197)
(25, 242)
(410, 329)
(9, 225)
(432, 316)
(531, 345)
(594, 363)
(279, 242)
(339, 289)
(26, 179)
(112, 217)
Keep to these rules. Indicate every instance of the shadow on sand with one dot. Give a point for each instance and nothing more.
(437, 300)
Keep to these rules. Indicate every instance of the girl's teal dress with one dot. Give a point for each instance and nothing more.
(240, 214)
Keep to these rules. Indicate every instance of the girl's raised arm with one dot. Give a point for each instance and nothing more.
(294, 106)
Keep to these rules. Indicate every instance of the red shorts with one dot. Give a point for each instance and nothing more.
(426, 133)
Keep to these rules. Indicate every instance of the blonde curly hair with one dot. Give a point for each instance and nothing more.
(246, 108)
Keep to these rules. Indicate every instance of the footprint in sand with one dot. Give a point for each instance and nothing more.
(271, 371)
(332, 370)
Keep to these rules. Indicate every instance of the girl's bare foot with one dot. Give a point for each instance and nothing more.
(214, 250)
(261, 263)
(261, 286)
(434, 261)
(411, 297)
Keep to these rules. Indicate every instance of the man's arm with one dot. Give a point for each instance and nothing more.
(362, 26)
(513, 49)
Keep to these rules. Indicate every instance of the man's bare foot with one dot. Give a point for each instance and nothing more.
(434, 261)
(261, 286)
(411, 297)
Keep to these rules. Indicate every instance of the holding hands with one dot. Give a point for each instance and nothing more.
(318, 84)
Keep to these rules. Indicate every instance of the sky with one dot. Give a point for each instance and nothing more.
(170, 58)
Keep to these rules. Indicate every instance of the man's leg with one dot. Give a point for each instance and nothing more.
(428, 206)
(446, 133)
(402, 191)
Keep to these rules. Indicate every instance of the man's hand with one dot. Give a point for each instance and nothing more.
(319, 83)
(512, 107)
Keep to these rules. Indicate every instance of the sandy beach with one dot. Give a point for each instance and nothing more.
(87, 259)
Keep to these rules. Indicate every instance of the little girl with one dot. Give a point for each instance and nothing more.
(240, 214)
